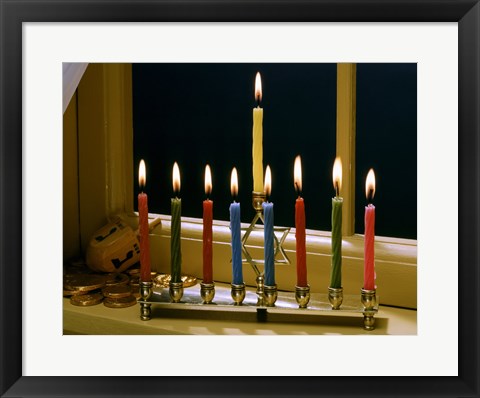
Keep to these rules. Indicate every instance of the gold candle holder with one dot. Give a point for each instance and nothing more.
(270, 294)
(207, 292)
(260, 292)
(257, 200)
(369, 302)
(302, 295)
(176, 291)
(238, 293)
(335, 297)
(145, 294)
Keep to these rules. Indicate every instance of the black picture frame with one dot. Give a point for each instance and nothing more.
(14, 13)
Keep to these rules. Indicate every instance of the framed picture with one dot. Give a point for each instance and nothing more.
(15, 317)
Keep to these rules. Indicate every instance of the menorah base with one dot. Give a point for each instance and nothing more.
(236, 298)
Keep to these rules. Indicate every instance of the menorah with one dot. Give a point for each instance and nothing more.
(266, 299)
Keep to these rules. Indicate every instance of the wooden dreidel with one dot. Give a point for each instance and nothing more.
(113, 248)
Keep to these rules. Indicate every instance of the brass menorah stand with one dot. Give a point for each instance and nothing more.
(266, 299)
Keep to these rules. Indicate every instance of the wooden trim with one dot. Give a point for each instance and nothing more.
(71, 221)
(346, 116)
(105, 145)
(117, 80)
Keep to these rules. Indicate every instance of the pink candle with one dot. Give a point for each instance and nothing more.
(207, 229)
(145, 274)
(300, 234)
(369, 270)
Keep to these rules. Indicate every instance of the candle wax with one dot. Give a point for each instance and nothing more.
(301, 243)
(336, 269)
(369, 270)
(257, 149)
(145, 271)
(236, 244)
(207, 241)
(175, 248)
(268, 244)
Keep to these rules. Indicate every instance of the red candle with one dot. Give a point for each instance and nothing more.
(369, 270)
(300, 227)
(145, 274)
(207, 229)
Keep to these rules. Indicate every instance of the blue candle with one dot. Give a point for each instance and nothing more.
(268, 237)
(235, 231)
(268, 232)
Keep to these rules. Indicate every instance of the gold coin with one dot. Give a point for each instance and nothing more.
(83, 282)
(117, 291)
(117, 279)
(85, 300)
(163, 280)
(68, 293)
(120, 302)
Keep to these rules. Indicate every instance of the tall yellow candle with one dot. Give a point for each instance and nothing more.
(257, 146)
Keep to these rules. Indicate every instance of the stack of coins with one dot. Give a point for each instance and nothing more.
(118, 296)
(86, 300)
(115, 290)
(83, 289)
(86, 287)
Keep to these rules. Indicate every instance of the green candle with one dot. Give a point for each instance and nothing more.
(337, 202)
(336, 271)
(175, 230)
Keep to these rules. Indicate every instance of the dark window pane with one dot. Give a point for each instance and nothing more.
(387, 142)
(202, 113)
(199, 113)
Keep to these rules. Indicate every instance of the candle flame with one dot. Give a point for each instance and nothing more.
(297, 174)
(370, 185)
(268, 182)
(208, 180)
(337, 175)
(142, 174)
(176, 178)
(258, 87)
(234, 183)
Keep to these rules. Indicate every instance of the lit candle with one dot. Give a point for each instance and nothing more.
(369, 270)
(235, 230)
(337, 201)
(145, 274)
(268, 232)
(300, 227)
(175, 248)
(257, 147)
(207, 229)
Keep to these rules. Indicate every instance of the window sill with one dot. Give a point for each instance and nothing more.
(395, 259)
